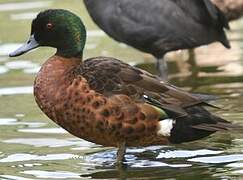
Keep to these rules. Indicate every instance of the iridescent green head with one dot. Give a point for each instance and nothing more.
(56, 28)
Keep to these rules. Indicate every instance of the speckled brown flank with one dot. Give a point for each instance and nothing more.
(88, 114)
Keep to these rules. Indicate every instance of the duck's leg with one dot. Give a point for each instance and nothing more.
(162, 68)
(121, 153)
(192, 61)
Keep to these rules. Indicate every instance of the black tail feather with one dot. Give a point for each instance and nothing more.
(199, 123)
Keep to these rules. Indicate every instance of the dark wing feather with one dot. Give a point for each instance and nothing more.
(110, 76)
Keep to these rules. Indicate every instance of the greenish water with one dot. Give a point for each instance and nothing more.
(33, 147)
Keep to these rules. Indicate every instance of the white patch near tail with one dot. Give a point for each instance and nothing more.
(165, 127)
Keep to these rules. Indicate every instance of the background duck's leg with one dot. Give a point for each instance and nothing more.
(162, 68)
(192, 61)
(121, 153)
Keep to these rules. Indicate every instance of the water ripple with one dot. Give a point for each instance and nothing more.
(14, 122)
(95, 33)
(20, 64)
(16, 90)
(52, 174)
(14, 177)
(187, 153)
(218, 159)
(49, 142)
(3, 70)
(23, 16)
(29, 157)
(108, 159)
(32, 70)
(24, 5)
(45, 131)
(146, 163)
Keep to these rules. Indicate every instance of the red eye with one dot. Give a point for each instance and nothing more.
(49, 26)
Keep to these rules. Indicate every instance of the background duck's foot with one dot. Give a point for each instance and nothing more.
(162, 68)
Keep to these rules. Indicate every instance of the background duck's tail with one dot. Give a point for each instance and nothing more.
(224, 40)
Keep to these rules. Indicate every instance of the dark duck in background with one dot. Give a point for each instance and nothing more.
(160, 26)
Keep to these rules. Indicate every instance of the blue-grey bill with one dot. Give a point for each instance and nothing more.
(29, 45)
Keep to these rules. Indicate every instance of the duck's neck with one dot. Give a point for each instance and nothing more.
(73, 44)
(70, 52)
(71, 48)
